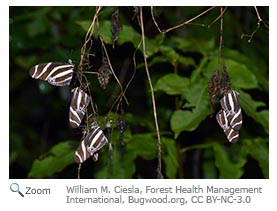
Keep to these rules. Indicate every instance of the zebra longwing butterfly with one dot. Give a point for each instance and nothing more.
(231, 134)
(230, 104)
(230, 117)
(55, 73)
(78, 106)
(91, 143)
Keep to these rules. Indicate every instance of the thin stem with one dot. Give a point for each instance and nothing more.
(78, 171)
(88, 37)
(220, 16)
(129, 82)
(154, 20)
(111, 68)
(88, 72)
(182, 24)
(135, 68)
(258, 14)
(221, 35)
(260, 20)
(159, 168)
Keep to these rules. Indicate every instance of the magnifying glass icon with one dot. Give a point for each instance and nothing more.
(15, 188)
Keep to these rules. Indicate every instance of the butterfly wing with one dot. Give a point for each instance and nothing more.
(78, 106)
(236, 120)
(92, 142)
(55, 73)
(230, 105)
(232, 134)
(222, 120)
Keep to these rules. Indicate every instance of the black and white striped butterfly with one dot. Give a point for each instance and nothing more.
(78, 106)
(230, 117)
(231, 134)
(55, 73)
(91, 143)
(230, 104)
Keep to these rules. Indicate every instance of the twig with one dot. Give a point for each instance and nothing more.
(159, 168)
(88, 37)
(111, 68)
(78, 171)
(221, 35)
(179, 25)
(84, 51)
(155, 22)
(132, 77)
(220, 16)
(116, 90)
(260, 20)
(129, 82)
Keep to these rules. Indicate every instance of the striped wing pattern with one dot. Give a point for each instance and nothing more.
(222, 120)
(231, 106)
(55, 73)
(91, 143)
(61, 74)
(230, 116)
(78, 106)
(231, 134)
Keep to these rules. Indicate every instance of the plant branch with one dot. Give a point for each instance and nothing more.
(159, 168)
(111, 68)
(88, 37)
(164, 31)
(221, 34)
(260, 20)
(220, 16)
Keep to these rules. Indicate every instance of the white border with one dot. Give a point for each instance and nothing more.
(14, 202)
(141, 3)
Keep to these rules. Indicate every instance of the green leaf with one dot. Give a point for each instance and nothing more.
(104, 26)
(229, 162)
(194, 45)
(170, 157)
(128, 34)
(250, 106)
(257, 68)
(39, 23)
(189, 120)
(172, 84)
(258, 149)
(144, 139)
(140, 120)
(105, 30)
(122, 164)
(58, 157)
(173, 57)
(209, 169)
(240, 75)
(84, 24)
(228, 169)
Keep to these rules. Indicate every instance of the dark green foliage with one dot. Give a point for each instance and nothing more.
(181, 64)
